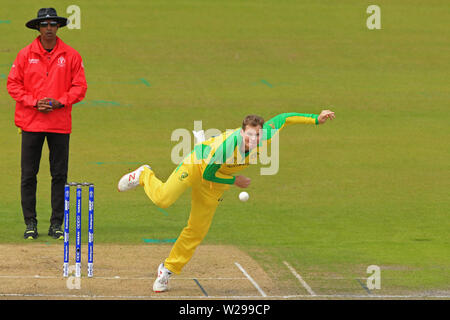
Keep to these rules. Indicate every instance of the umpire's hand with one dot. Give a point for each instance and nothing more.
(43, 106)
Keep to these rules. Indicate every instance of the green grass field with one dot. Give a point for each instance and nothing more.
(371, 187)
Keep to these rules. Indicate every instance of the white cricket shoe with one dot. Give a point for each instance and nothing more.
(131, 180)
(161, 283)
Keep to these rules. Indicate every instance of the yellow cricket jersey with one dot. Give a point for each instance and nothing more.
(221, 156)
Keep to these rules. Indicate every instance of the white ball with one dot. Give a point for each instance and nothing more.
(243, 196)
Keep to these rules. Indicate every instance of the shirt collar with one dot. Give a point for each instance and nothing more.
(37, 47)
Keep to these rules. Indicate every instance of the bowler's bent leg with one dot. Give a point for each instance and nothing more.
(164, 194)
(203, 207)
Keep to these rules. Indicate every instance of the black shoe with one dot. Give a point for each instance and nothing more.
(31, 231)
(55, 232)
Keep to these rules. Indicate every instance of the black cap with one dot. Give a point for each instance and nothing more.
(46, 14)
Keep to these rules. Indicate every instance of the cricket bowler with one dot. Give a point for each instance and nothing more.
(209, 170)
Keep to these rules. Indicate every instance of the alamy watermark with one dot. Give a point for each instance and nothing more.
(74, 20)
(72, 282)
(374, 20)
(374, 280)
(265, 152)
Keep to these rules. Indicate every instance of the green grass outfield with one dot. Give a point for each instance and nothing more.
(371, 187)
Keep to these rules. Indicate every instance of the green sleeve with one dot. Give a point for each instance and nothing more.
(277, 123)
(210, 174)
(219, 158)
(282, 119)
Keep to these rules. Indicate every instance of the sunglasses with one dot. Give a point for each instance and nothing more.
(45, 23)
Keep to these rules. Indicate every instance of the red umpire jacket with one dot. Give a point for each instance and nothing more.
(37, 74)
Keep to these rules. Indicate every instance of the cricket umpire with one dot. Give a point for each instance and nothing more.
(46, 79)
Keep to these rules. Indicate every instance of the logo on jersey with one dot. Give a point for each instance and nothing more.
(183, 176)
(61, 62)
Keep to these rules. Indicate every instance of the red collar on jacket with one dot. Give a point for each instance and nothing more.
(36, 46)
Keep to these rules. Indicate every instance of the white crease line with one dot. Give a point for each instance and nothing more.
(305, 285)
(158, 297)
(114, 278)
(251, 280)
